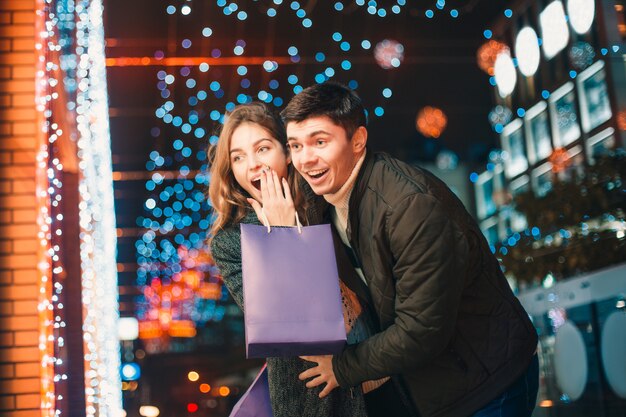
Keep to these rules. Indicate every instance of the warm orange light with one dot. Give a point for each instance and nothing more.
(146, 175)
(204, 388)
(546, 403)
(150, 329)
(193, 376)
(224, 391)
(193, 61)
(192, 278)
(621, 120)
(182, 328)
(431, 122)
(560, 160)
(621, 22)
(487, 54)
(210, 291)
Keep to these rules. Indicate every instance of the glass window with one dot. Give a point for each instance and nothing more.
(594, 97)
(513, 144)
(538, 133)
(542, 179)
(600, 144)
(564, 115)
(485, 205)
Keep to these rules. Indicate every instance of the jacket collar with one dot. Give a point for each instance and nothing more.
(360, 186)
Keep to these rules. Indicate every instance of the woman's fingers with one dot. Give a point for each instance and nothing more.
(271, 186)
(264, 187)
(277, 185)
(276, 198)
(287, 192)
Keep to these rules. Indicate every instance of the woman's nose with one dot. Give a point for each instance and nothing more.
(255, 163)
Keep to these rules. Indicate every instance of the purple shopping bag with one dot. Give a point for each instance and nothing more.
(256, 401)
(291, 291)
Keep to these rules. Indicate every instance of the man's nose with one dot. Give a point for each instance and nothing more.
(307, 156)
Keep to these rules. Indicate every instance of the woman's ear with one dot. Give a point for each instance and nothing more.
(359, 139)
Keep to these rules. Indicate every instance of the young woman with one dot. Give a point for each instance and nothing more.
(250, 174)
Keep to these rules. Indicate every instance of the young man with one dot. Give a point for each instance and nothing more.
(452, 332)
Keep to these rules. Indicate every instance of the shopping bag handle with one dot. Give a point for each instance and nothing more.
(266, 222)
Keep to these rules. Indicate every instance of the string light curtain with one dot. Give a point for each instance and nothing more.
(75, 140)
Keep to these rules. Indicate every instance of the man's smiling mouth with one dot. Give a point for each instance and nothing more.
(318, 173)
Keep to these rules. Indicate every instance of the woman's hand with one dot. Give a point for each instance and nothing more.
(277, 205)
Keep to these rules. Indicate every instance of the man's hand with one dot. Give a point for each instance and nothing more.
(277, 205)
(322, 373)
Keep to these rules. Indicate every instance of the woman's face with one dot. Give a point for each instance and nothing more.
(252, 148)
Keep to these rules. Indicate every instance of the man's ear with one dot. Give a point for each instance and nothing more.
(359, 139)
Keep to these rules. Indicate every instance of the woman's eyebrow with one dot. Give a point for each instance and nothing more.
(253, 145)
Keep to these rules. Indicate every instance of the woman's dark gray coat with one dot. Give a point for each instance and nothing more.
(289, 395)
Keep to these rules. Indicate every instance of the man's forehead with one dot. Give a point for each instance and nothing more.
(311, 125)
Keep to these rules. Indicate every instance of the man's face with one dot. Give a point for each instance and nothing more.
(322, 152)
(253, 149)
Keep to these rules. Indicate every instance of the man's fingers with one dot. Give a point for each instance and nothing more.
(315, 382)
(327, 389)
(309, 373)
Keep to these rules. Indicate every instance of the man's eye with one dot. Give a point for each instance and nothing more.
(321, 142)
(293, 146)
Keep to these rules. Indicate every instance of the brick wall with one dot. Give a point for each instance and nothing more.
(19, 353)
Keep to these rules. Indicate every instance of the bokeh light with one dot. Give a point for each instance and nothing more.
(487, 54)
(389, 54)
(431, 122)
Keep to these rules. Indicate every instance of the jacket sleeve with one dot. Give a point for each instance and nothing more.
(226, 251)
(428, 256)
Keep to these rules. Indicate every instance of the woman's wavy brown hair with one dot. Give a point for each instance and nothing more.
(225, 194)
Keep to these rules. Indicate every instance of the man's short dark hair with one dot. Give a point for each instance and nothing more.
(334, 100)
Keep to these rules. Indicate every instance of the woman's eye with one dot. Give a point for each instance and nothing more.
(263, 148)
(236, 158)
